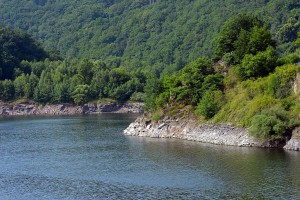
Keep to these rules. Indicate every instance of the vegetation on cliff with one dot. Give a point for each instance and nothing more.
(249, 86)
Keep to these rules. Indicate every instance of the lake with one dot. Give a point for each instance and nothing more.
(88, 157)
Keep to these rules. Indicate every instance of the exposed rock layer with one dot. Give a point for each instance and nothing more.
(294, 142)
(189, 129)
(26, 108)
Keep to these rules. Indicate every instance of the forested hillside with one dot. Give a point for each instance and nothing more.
(208, 58)
(143, 33)
(28, 72)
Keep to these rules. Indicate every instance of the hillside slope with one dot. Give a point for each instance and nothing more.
(135, 33)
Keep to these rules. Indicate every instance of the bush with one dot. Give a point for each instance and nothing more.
(267, 126)
(138, 97)
(258, 65)
(289, 59)
(210, 104)
(162, 99)
(280, 83)
(157, 115)
(272, 123)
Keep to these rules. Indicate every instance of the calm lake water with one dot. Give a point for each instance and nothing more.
(88, 157)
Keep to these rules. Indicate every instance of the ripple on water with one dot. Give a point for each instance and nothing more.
(88, 157)
(36, 187)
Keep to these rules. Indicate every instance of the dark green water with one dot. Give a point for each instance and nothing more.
(88, 157)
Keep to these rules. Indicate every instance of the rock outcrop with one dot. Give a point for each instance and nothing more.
(114, 108)
(30, 108)
(190, 129)
(294, 142)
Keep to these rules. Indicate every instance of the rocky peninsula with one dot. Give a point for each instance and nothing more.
(220, 134)
(31, 108)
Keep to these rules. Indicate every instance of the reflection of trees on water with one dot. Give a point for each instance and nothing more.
(254, 171)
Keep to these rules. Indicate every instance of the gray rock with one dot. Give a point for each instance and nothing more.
(85, 109)
(294, 142)
(188, 129)
(61, 107)
(28, 108)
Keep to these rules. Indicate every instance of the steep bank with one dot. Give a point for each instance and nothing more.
(30, 108)
(190, 129)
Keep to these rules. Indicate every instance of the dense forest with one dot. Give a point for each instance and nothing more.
(30, 72)
(162, 35)
(212, 59)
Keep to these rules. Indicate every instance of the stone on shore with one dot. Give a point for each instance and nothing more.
(31, 108)
(190, 129)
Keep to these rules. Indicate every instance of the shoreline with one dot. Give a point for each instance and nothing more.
(34, 109)
(218, 134)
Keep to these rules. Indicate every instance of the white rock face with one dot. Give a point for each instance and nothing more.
(188, 129)
(294, 142)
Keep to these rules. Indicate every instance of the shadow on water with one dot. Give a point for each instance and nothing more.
(254, 172)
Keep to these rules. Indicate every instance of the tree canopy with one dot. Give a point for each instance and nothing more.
(137, 34)
(16, 46)
(241, 35)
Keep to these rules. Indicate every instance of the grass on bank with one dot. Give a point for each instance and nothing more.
(267, 105)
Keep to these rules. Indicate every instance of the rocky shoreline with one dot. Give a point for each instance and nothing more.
(30, 108)
(189, 129)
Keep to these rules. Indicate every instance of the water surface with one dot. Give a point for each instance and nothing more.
(88, 157)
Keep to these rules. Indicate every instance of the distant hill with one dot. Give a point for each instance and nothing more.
(15, 47)
(137, 33)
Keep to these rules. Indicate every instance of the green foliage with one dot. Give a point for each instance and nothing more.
(16, 46)
(235, 34)
(266, 126)
(56, 81)
(138, 97)
(287, 34)
(157, 114)
(258, 65)
(43, 90)
(21, 86)
(260, 40)
(80, 94)
(7, 90)
(31, 85)
(152, 89)
(279, 84)
(186, 85)
(298, 39)
(61, 93)
(141, 42)
(272, 123)
(134, 32)
(124, 91)
(256, 97)
(242, 35)
(210, 104)
(162, 99)
(85, 71)
(213, 82)
(289, 59)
